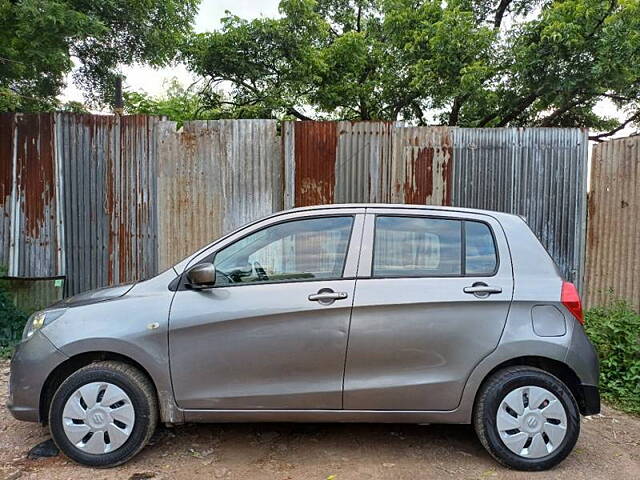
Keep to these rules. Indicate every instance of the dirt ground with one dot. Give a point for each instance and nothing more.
(608, 448)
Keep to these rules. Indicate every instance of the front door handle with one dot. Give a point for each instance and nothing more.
(326, 296)
(480, 289)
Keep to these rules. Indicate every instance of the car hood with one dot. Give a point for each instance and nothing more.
(95, 296)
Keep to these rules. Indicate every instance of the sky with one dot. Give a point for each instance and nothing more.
(153, 81)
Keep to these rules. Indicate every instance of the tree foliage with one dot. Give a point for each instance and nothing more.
(40, 38)
(177, 103)
(477, 63)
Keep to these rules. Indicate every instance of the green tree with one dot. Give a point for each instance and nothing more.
(178, 103)
(40, 38)
(269, 64)
(477, 63)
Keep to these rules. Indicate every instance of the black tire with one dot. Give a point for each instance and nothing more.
(495, 389)
(143, 399)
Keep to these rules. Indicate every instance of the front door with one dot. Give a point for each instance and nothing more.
(432, 297)
(272, 332)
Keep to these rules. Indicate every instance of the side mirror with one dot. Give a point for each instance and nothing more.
(202, 276)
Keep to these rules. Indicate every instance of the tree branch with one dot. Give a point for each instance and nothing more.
(612, 6)
(519, 108)
(454, 116)
(599, 137)
(548, 121)
(298, 115)
(500, 12)
(620, 98)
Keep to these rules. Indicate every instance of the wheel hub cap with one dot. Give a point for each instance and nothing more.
(531, 422)
(98, 418)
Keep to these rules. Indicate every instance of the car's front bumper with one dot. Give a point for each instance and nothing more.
(31, 364)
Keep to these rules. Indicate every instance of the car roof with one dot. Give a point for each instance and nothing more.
(394, 206)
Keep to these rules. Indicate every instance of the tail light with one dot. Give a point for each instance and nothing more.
(570, 299)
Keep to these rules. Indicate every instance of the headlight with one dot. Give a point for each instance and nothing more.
(39, 320)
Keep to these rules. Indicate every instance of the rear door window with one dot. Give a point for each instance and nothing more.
(480, 251)
(432, 247)
(417, 247)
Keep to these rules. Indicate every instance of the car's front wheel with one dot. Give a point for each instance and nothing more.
(526, 418)
(103, 414)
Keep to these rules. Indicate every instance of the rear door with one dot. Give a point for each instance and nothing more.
(432, 297)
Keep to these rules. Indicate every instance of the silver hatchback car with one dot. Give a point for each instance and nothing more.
(341, 313)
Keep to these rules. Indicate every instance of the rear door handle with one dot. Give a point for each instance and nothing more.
(327, 296)
(480, 289)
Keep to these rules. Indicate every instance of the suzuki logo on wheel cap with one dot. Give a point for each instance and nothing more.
(98, 418)
(532, 422)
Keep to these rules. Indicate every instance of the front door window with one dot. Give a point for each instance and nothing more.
(310, 249)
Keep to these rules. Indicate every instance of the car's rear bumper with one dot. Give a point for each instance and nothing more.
(590, 402)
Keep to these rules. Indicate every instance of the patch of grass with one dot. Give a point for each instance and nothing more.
(614, 329)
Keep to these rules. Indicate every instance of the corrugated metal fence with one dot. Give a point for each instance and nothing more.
(613, 240)
(30, 239)
(107, 174)
(103, 199)
(76, 198)
(343, 162)
(214, 176)
(538, 173)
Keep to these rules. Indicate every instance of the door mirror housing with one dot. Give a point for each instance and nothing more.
(201, 276)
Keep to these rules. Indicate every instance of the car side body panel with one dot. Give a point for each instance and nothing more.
(414, 341)
(288, 353)
(110, 326)
(264, 345)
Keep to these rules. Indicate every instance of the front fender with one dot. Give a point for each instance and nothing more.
(156, 366)
(134, 326)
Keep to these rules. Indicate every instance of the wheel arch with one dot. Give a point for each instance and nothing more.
(554, 367)
(79, 360)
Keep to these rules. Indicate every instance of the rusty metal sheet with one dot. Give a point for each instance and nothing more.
(7, 126)
(613, 239)
(108, 183)
(484, 172)
(538, 173)
(363, 162)
(30, 245)
(315, 162)
(189, 194)
(346, 162)
(214, 176)
(421, 165)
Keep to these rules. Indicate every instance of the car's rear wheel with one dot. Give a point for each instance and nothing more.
(526, 418)
(103, 414)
